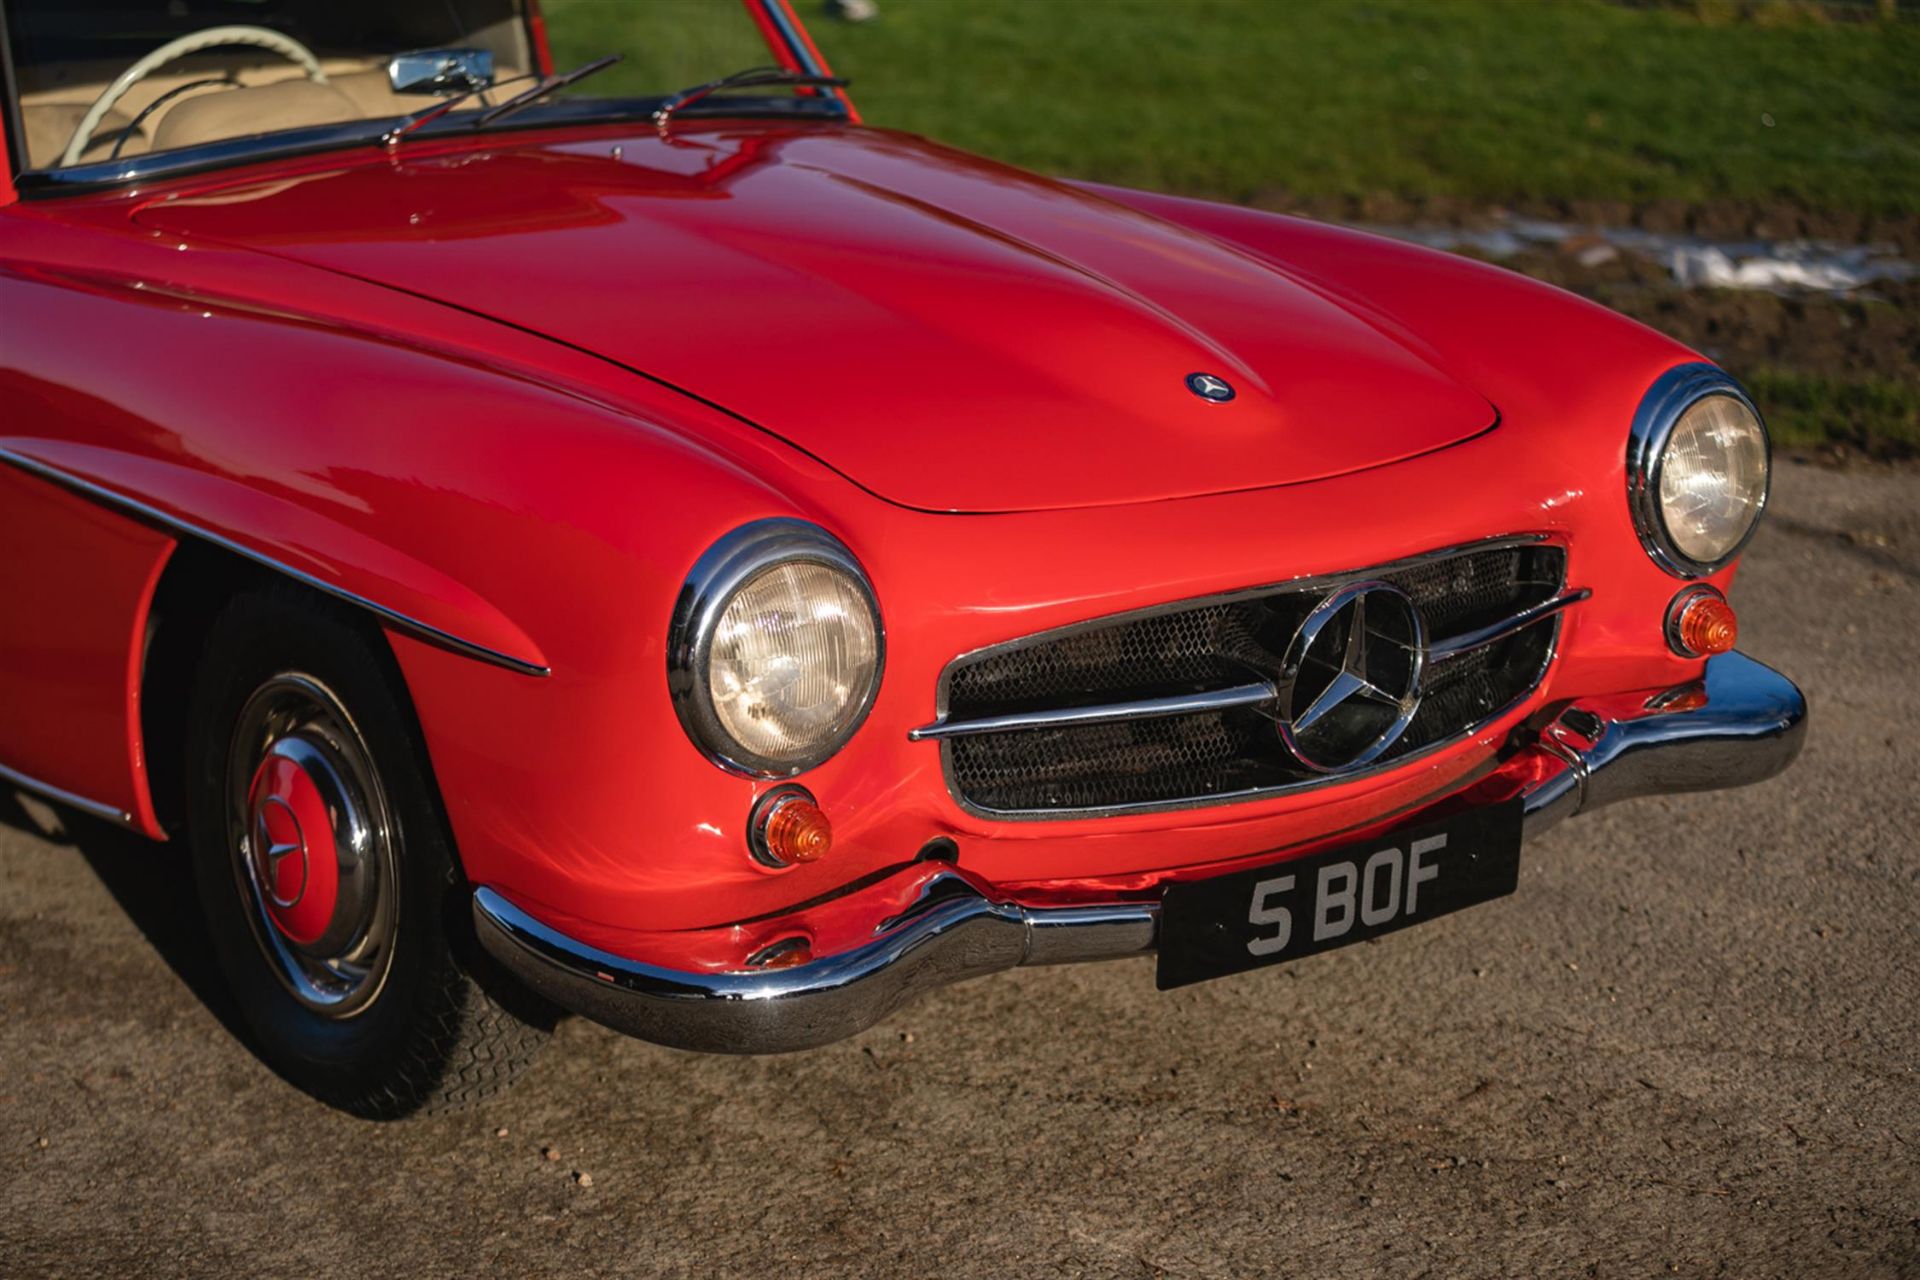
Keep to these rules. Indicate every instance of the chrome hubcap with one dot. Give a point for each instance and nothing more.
(313, 845)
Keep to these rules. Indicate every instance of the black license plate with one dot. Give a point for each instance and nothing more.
(1280, 912)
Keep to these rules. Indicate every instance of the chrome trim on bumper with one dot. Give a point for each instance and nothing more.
(937, 924)
(951, 931)
(1750, 727)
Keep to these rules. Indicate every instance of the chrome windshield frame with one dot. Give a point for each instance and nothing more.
(776, 21)
(237, 153)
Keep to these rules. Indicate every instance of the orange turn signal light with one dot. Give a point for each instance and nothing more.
(798, 831)
(788, 827)
(784, 954)
(1700, 623)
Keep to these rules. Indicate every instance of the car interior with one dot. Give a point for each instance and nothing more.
(169, 74)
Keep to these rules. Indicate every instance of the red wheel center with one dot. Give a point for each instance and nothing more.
(294, 860)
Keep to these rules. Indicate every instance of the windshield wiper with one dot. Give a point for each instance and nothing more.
(525, 98)
(552, 84)
(407, 124)
(741, 80)
(662, 114)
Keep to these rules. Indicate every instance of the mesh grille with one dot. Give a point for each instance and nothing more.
(1208, 755)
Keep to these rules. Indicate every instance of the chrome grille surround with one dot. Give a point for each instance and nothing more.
(1174, 706)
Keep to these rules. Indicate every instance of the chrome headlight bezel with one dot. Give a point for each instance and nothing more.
(719, 574)
(1660, 411)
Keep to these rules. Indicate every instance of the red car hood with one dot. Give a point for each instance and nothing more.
(948, 333)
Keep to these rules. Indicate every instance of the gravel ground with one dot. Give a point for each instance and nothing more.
(1688, 1045)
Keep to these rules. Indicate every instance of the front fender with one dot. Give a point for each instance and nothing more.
(480, 508)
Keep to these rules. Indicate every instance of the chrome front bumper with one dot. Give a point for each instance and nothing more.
(879, 946)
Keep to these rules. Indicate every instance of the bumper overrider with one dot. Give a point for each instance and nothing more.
(876, 947)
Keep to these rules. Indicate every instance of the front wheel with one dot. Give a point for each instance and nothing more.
(327, 878)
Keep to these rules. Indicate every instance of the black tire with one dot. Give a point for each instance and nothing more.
(425, 1034)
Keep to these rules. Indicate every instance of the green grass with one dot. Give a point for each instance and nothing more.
(668, 44)
(1876, 415)
(1479, 100)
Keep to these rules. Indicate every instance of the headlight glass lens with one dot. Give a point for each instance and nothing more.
(1713, 478)
(794, 661)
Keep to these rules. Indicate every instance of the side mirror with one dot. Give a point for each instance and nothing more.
(444, 71)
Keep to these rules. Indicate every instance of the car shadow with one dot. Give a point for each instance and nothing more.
(151, 883)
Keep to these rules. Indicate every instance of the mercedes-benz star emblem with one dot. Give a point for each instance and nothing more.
(277, 837)
(1351, 682)
(1208, 387)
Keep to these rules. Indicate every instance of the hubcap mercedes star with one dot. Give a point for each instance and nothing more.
(280, 849)
(1351, 681)
(313, 845)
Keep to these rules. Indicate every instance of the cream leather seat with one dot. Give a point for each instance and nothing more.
(50, 125)
(237, 113)
(375, 96)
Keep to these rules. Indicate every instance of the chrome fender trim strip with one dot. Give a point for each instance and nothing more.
(106, 812)
(154, 515)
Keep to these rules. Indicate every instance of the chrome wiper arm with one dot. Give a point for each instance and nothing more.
(740, 80)
(407, 124)
(552, 84)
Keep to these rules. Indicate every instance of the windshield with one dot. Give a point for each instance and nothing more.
(111, 81)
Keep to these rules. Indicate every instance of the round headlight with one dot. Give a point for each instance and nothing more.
(1698, 465)
(776, 648)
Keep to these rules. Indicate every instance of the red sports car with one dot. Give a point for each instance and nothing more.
(707, 564)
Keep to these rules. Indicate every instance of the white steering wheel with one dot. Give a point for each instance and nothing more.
(260, 37)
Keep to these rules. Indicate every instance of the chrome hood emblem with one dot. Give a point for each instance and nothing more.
(1210, 388)
(1351, 680)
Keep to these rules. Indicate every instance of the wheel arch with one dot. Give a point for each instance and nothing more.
(199, 581)
(190, 573)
